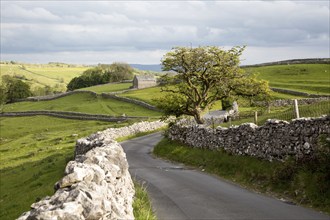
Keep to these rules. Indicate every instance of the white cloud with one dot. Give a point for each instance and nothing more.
(127, 27)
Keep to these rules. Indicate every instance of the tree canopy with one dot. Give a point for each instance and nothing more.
(13, 89)
(102, 74)
(205, 75)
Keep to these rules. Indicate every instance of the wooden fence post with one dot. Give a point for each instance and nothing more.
(296, 108)
(256, 117)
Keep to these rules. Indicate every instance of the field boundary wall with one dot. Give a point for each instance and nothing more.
(133, 101)
(275, 140)
(71, 115)
(97, 183)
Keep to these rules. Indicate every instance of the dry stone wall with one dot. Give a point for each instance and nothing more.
(275, 140)
(292, 92)
(70, 115)
(55, 96)
(97, 184)
(133, 101)
(307, 101)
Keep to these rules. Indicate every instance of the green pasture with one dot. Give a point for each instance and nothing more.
(34, 152)
(43, 74)
(310, 78)
(106, 88)
(86, 103)
(146, 95)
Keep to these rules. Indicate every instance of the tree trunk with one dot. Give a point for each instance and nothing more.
(197, 115)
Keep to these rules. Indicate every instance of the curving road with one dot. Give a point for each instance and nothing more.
(180, 193)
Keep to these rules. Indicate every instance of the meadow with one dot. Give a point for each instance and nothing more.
(107, 88)
(85, 103)
(309, 78)
(40, 75)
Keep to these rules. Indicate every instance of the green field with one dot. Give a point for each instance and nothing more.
(146, 95)
(309, 78)
(106, 88)
(34, 152)
(43, 74)
(85, 103)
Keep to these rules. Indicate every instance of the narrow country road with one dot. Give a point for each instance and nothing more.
(180, 193)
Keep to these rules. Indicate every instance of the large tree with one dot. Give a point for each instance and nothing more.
(14, 89)
(205, 75)
(102, 74)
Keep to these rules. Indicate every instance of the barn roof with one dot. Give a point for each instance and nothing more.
(145, 78)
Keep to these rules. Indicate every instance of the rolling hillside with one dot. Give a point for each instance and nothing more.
(43, 74)
(34, 150)
(309, 78)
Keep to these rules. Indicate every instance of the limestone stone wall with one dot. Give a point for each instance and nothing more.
(109, 135)
(292, 92)
(275, 140)
(55, 96)
(71, 115)
(307, 101)
(133, 101)
(97, 184)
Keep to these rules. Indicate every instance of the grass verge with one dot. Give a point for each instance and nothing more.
(305, 182)
(142, 205)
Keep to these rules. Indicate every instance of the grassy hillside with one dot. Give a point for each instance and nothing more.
(111, 87)
(34, 152)
(43, 74)
(310, 78)
(85, 103)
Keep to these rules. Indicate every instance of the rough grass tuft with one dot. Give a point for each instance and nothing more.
(141, 205)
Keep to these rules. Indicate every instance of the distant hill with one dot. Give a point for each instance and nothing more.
(150, 67)
(293, 61)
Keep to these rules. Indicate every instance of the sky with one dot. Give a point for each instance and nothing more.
(141, 32)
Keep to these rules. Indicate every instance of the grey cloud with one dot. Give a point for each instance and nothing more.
(55, 26)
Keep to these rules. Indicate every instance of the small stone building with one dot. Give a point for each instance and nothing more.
(144, 81)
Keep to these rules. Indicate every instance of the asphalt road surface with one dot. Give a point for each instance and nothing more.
(180, 193)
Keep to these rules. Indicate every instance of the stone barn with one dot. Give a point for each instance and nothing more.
(143, 81)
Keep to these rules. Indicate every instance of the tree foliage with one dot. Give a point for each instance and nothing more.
(102, 74)
(13, 89)
(205, 75)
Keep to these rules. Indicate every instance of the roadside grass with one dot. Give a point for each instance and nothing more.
(34, 152)
(302, 183)
(310, 78)
(86, 103)
(142, 205)
(110, 87)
